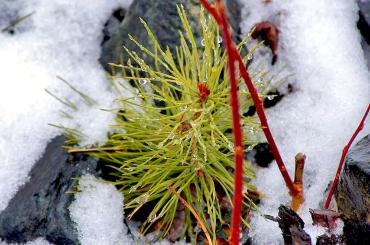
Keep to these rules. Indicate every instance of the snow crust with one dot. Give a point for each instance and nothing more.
(320, 44)
(61, 38)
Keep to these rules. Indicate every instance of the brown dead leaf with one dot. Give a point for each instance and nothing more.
(267, 32)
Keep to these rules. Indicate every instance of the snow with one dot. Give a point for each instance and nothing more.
(61, 38)
(98, 213)
(38, 241)
(320, 44)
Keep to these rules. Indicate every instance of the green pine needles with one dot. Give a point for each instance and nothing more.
(185, 144)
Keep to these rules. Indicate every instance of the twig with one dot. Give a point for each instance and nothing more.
(238, 189)
(344, 153)
(298, 199)
(84, 150)
(265, 127)
(191, 209)
(219, 14)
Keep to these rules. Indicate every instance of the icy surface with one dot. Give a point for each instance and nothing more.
(320, 43)
(98, 213)
(61, 38)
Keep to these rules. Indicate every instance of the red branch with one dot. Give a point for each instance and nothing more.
(219, 14)
(344, 153)
(266, 130)
(239, 150)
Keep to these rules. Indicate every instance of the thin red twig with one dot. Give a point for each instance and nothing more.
(344, 153)
(219, 14)
(222, 21)
(264, 124)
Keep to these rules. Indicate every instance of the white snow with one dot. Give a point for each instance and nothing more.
(320, 43)
(38, 241)
(98, 213)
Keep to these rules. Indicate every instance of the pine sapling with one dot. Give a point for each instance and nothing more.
(181, 152)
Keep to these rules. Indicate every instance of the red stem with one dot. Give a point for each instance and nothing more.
(344, 153)
(218, 12)
(265, 127)
(221, 21)
(239, 150)
(212, 10)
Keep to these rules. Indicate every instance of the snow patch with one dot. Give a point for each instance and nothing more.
(98, 213)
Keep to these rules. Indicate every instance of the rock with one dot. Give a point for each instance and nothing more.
(112, 24)
(363, 25)
(364, 19)
(355, 233)
(366, 48)
(163, 19)
(40, 207)
(292, 226)
(353, 192)
(272, 99)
